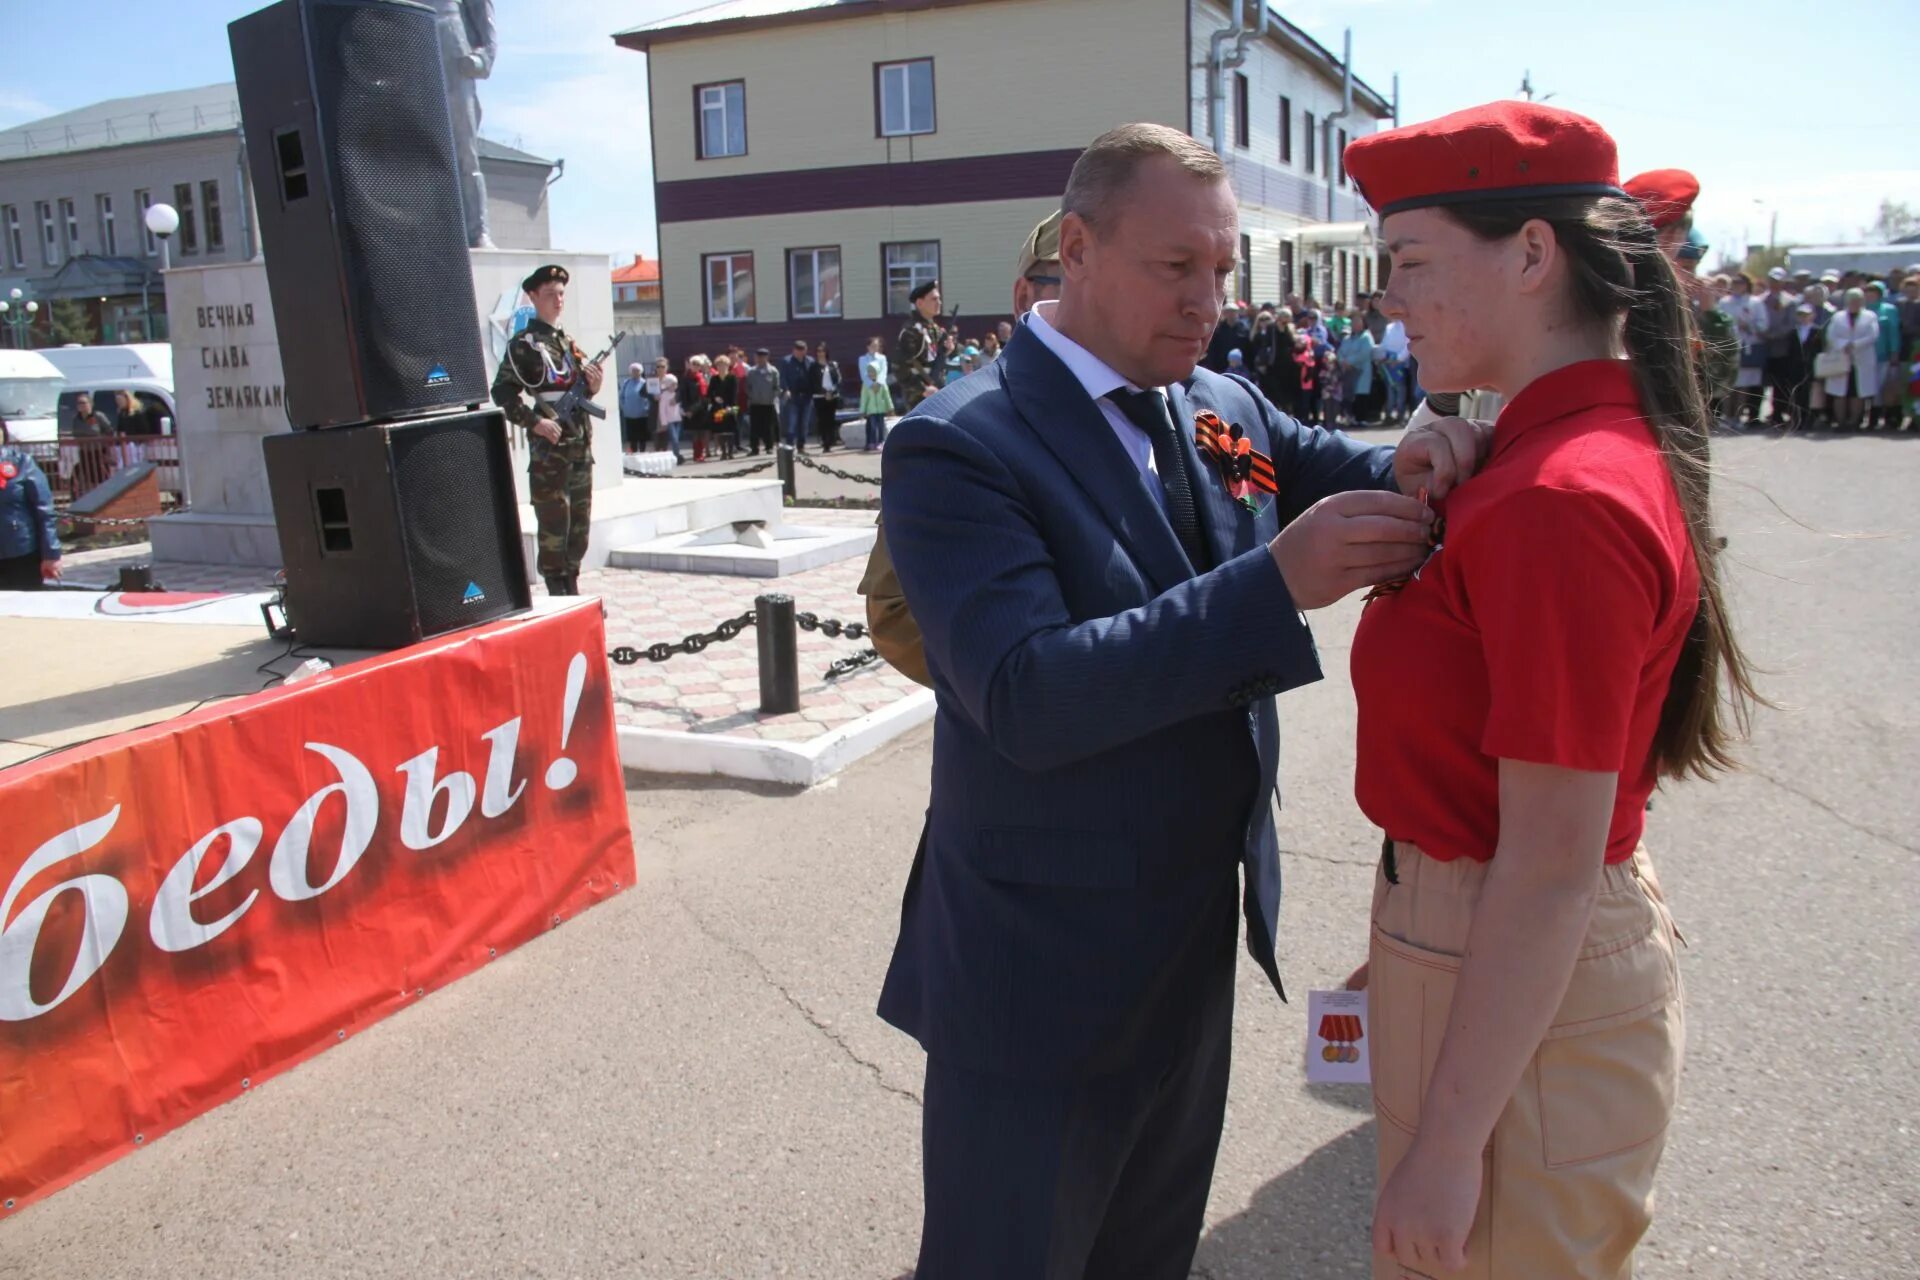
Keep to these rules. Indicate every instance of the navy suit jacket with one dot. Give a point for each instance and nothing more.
(1106, 743)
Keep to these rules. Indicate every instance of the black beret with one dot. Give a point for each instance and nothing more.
(541, 275)
(923, 290)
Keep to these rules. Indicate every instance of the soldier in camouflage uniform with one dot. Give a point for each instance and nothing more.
(541, 364)
(921, 348)
(1668, 196)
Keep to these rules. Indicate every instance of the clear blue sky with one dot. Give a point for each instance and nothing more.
(1807, 111)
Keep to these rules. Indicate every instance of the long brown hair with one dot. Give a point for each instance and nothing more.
(1618, 270)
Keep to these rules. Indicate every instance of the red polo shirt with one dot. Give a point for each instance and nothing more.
(1544, 628)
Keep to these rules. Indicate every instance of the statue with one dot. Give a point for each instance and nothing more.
(467, 50)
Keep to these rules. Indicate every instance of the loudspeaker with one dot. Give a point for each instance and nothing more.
(397, 531)
(350, 147)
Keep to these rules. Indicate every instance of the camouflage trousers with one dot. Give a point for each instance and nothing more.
(560, 477)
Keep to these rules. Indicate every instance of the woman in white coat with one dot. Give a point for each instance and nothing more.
(1855, 333)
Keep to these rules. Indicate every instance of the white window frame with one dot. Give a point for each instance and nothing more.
(713, 97)
(149, 242)
(49, 233)
(103, 210)
(70, 226)
(183, 205)
(814, 257)
(899, 95)
(731, 312)
(917, 274)
(16, 245)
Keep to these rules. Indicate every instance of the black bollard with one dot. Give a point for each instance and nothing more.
(784, 456)
(779, 639)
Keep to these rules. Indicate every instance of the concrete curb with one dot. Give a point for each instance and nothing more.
(801, 764)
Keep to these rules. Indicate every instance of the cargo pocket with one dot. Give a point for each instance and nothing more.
(1609, 1067)
(1409, 996)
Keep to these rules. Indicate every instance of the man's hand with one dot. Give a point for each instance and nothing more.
(1347, 541)
(1436, 453)
(594, 375)
(50, 570)
(547, 429)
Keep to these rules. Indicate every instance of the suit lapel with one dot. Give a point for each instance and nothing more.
(1057, 408)
(1220, 516)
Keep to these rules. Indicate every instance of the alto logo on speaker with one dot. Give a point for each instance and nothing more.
(437, 376)
(473, 594)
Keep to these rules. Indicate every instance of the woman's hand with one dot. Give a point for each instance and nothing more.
(1425, 1211)
(50, 570)
(1357, 980)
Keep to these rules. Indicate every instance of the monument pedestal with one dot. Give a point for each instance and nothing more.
(230, 393)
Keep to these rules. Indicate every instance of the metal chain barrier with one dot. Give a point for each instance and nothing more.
(627, 655)
(852, 663)
(835, 472)
(731, 629)
(831, 627)
(755, 469)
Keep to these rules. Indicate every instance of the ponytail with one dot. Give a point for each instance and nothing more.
(1618, 271)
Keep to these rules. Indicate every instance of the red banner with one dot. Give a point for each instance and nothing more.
(188, 908)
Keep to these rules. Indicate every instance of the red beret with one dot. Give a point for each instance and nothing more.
(1666, 193)
(1500, 151)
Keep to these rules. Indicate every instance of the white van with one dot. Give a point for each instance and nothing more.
(144, 370)
(30, 387)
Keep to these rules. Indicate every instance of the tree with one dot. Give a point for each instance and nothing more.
(71, 323)
(1896, 219)
(1763, 260)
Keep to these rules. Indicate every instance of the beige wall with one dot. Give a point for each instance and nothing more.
(1013, 75)
(979, 244)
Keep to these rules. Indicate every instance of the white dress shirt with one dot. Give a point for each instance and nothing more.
(1099, 380)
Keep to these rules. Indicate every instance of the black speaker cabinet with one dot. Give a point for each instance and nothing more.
(350, 147)
(398, 531)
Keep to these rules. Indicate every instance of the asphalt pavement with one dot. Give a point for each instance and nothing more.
(689, 1081)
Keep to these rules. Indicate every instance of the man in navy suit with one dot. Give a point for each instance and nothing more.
(1105, 628)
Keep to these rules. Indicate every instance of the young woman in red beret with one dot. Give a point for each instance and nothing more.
(1565, 648)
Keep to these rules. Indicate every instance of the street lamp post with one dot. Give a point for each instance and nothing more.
(162, 220)
(18, 316)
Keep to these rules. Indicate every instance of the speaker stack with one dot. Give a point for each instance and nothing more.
(394, 497)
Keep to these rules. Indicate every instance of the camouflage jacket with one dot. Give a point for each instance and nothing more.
(541, 361)
(1719, 352)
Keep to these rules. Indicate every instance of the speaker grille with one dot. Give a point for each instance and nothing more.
(381, 98)
(455, 534)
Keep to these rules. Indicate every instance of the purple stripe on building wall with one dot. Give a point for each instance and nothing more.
(846, 339)
(1014, 176)
(1258, 184)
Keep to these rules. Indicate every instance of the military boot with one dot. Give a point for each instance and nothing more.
(558, 587)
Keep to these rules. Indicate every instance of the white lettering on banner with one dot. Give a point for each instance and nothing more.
(173, 927)
(105, 902)
(287, 873)
(495, 799)
(417, 808)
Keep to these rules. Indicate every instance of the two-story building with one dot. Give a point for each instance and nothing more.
(75, 188)
(815, 160)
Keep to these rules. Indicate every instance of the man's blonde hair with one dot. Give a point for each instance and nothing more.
(1105, 170)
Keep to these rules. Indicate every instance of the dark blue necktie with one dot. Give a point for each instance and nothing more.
(1148, 411)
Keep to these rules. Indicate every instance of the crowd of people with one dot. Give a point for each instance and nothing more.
(722, 405)
(1340, 367)
(1837, 353)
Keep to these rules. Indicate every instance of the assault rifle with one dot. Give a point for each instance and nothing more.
(575, 399)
